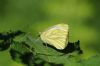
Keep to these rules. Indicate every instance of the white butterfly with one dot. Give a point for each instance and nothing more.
(56, 36)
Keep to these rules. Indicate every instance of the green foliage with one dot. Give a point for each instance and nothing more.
(32, 52)
(48, 55)
(93, 61)
(21, 52)
(29, 51)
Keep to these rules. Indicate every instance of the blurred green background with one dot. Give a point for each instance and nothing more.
(34, 16)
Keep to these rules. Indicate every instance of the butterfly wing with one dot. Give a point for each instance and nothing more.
(56, 36)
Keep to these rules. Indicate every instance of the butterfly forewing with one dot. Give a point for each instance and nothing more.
(56, 36)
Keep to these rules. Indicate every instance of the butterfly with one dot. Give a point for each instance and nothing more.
(56, 36)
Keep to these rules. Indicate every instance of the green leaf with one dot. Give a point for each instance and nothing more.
(49, 54)
(32, 52)
(21, 52)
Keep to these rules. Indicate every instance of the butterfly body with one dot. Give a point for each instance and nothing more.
(56, 36)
